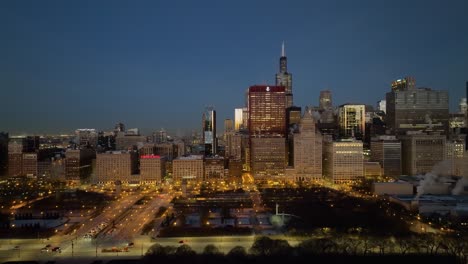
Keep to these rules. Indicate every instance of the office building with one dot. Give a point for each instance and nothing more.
(421, 151)
(214, 168)
(188, 168)
(387, 151)
(284, 78)
(352, 121)
(382, 106)
(20, 148)
(168, 150)
(160, 136)
(372, 170)
(234, 146)
(412, 109)
(455, 151)
(209, 131)
(78, 164)
(462, 106)
(293, 116)
(152, 169)
(117, 166)
(228, 125)
(238, 119)
(325, 100)
(267, 157)
(343, 160)
(307, 149)
(129, 141)
(86, 137)
(267, 110)
(407, 83)
(119, 127)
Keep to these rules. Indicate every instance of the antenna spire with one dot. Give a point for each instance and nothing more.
(282, 50)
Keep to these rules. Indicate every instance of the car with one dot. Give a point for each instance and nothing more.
(181, 242)
(45, 249)
(57, 250)
(131, 244)
(16, 248)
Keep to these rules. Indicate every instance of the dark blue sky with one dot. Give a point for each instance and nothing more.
(153, 64)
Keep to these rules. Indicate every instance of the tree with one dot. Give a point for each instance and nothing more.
(212, 250)
(265, 246)
(237, 252)
(185, 251)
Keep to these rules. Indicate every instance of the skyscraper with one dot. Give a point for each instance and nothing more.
(267, 111)
(410, 108)
(307, 149)
(352, 120)
(407, 83)
(228, 125)
(325, 100)
(238, 119)
(209, 131)
(284, 78)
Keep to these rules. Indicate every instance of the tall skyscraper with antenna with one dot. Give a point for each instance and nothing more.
(284, 78)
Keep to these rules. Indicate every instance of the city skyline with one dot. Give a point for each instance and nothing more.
(68, 65)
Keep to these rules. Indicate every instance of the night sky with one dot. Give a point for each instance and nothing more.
(152, 64)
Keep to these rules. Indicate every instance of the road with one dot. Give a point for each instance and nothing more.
(30, 249)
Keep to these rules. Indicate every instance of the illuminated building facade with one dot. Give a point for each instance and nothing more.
(343, 160)
(307, 150)
(188, 168)
(214, 168)
(412, 109)
(352, 120)
(116, 166)
(387, 151)
(267, 157)
(267, 111)
(152, 168)
(238, 119)
(78, 163)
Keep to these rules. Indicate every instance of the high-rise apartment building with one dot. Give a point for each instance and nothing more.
(422, 151)
(284, 78)
(267, 110)
(343, 160)
(412, 109)
(352, 120)
(209, 131)
(307, 150)
(387, 151)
